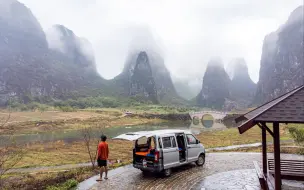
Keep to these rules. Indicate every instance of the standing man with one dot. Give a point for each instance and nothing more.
(102, 157)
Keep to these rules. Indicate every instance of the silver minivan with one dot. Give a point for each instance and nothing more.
(161, 150)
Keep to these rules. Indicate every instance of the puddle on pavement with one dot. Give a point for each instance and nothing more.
(236, 146)
(236, 179)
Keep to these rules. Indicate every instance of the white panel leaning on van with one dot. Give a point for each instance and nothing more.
(161, 150)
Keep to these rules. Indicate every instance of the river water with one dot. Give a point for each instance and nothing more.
(69, 136)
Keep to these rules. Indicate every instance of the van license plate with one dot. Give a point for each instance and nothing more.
(144, 163)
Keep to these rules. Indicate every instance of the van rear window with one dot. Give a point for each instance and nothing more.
(142, 141)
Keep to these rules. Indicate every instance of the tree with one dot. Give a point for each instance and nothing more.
(89, 141)
(297, 134)
(10, 153)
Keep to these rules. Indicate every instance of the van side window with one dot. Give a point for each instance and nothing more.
(191, 139)
(169, 142)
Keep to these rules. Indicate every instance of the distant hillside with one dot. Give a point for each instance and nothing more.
(282, 61)
(185, 89)
(242, 88)
(215, 87)
(29, 69)
(145, 76)
(222, 93)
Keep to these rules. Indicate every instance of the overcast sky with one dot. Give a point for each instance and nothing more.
(188, 31)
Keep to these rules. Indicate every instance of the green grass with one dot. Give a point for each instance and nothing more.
(64, 186)
(231, 136)
(161, 109)
(52, 180)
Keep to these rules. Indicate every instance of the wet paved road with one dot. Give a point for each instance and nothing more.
(186, 177)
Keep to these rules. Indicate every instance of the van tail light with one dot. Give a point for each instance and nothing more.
(156, 156)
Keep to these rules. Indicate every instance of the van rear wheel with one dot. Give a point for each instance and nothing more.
(167, 172)
(201, 160)
(144, 172)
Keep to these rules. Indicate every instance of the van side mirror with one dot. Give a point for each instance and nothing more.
(197, 142)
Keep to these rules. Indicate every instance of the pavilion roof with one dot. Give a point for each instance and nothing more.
(288, 108)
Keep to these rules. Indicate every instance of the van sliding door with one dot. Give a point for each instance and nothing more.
(170, 151)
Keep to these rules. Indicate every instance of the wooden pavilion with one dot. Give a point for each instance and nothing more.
(288, 108)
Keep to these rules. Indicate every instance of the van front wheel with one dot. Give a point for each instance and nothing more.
(201, 160)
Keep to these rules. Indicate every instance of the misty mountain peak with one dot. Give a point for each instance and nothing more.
(142, 57)
(61, 38)
(64, 30)
(240, 69)
(79, 50)
(215, 62)
(282, 64)
(144, 39)
(296, 15)
(145, 75)
(237, 66)
(19, 17)
(215, 87)
(242, 88)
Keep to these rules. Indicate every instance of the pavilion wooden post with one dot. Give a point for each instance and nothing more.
(264, 151)
(277, 158)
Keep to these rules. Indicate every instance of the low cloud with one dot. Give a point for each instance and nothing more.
(191, 32)
(54, 39)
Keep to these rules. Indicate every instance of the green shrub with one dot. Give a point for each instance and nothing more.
(67, 109)
(90, 102)
(110, 102)
(64, 186)
(297, 133)
(16, 105)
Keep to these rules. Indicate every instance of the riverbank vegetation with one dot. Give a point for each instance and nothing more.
(40, 122)
(39, 154)
(98, 102)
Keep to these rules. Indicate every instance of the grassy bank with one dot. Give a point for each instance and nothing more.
(59, 153)
(52, 180)
(231, 136)
(36, 122)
